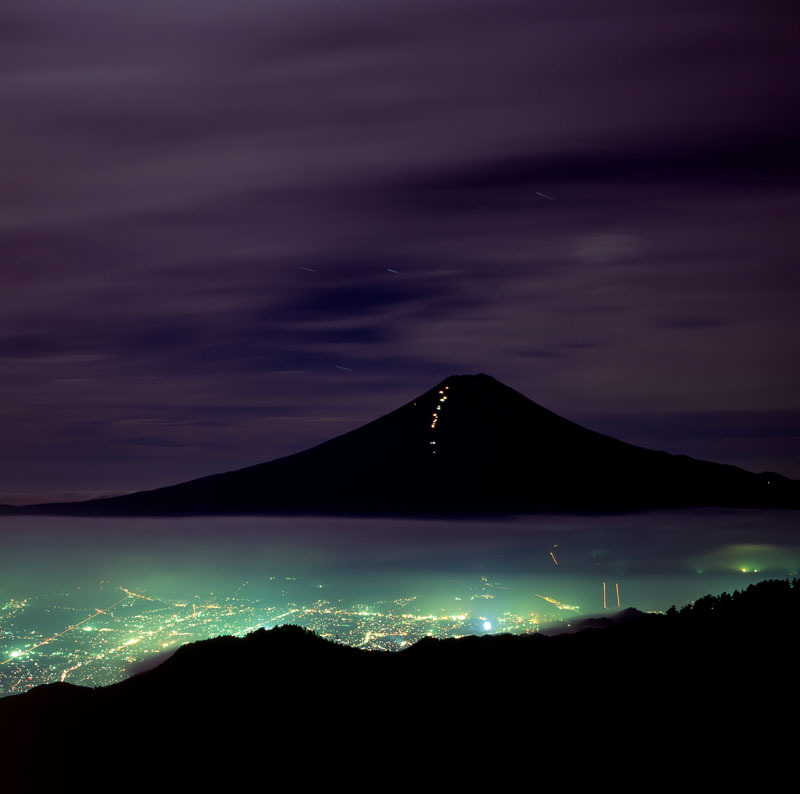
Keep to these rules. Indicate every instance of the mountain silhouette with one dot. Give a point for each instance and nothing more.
(315, 709)
(470, 445)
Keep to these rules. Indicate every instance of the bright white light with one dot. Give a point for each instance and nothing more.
(487, 626)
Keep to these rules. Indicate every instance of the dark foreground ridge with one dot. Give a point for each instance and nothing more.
(470, 445)
(641, 683)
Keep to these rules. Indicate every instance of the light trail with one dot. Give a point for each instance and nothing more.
(554, 558)
(285, 615)
(557, 603)
(135, 595)
(604, 596)
(68, 671)
(62, 633)
(618, 602)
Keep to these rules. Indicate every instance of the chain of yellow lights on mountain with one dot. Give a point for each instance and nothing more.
(437, 413)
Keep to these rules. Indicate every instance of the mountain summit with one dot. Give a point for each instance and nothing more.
(470, 445)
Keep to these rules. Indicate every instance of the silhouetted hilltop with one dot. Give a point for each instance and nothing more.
(719, 673)
(597, 622)
(470, 445)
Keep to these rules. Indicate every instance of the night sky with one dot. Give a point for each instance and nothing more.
(231, 230)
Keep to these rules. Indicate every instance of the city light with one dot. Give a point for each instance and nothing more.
(138, 626)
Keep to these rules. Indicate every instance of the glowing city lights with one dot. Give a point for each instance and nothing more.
(139, 625)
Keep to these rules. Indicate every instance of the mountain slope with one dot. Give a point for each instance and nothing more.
(469, 445)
